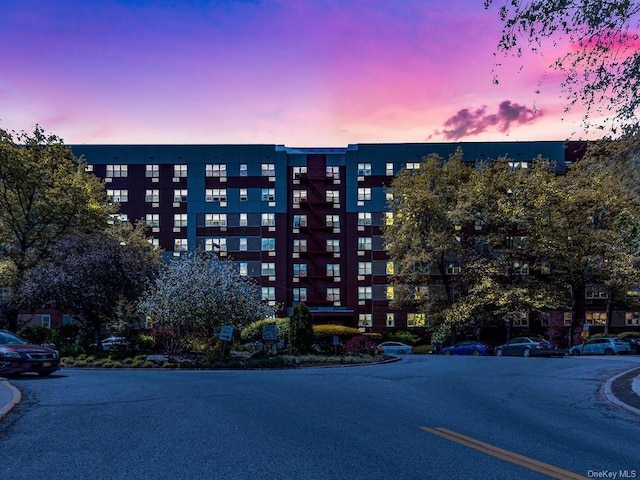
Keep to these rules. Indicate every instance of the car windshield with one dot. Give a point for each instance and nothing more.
(7, 338)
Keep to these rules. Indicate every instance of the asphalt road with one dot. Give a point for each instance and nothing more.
(393, 421)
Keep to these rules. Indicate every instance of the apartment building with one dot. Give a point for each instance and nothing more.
(305, 223)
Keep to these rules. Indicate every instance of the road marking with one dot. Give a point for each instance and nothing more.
(506, 455)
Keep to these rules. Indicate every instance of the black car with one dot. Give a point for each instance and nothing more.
(528, 347)
(17, 356)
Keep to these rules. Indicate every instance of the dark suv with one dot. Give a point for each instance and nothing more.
(17, 356)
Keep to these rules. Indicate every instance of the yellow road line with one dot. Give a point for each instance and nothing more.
(506, 455)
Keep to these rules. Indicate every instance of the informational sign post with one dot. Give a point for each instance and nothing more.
(226, 336)
(270, 335)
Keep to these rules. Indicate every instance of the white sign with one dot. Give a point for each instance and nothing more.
(226, 333)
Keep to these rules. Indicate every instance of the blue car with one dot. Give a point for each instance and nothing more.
(470, 347)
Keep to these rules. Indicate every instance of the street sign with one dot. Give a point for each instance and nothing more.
(585, 326)
(269, 333)
(336, 340)
(226, 333)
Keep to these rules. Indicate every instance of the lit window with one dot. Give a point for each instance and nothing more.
(332, 196)
(215, 220)
(364, 169)
(364, 293)
(364, 243)
(242, 245)
(180, 245)
(332, 221)
(268, 269)
(152, 219)
(390, 292)
(520, 268)
(453, 269)
(364, 268)
(180, 220)
(594, 292)
(216, 195)
(299, 294)
(300, 246)
(299, 172)
(179, 171)
(268, 293)
(152, 196)
(632, 319)
(180, 195)
(155, 242)
(152, 171)
(242, 221)
(365, 320)
(413, 166)
(215, 170)
(268, 194)
(268, 244)
(522, 320)
(243, 268)
(421, 292)
(333, 294)
(389, 171)
(299, 221)
(364, 194)
(388, 218)
(120, 196)
(268, 219)
(244, 195)
(364, 218)
(596, 318)
(299, 196)
(567, 318)
(416, 319)
(215, 244)
(299, 270)
(391, 319)
(390, 268)
(333, 245)
(333, 269)
(114, 171)
(268, 170)
(333, 172)
(513, 166)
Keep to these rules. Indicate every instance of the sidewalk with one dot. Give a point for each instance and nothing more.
(10, 396)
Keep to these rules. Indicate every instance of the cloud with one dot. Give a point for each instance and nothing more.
(468, 122)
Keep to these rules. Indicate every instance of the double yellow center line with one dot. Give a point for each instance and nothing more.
(515, 458)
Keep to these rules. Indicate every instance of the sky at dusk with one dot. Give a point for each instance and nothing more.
(323, 73)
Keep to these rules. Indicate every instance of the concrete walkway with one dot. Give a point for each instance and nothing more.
(10, 396)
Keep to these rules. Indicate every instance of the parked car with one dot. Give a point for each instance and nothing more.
(634, 342)
(18, 356)
(469, 347)
(602, 346)
(528, 347)
(395, 348)
(113, 343)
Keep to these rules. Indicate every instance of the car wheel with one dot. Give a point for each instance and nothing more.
(448, 352)
(576, 353)
(526, 352)
(608, 351)
(498, 352)
(475, 353)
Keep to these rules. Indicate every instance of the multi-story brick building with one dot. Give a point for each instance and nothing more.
(305, 223)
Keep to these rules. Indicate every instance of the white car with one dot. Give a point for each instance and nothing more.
(395, 348)
(114, 343)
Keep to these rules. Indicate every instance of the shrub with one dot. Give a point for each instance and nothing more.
(80, 363)
(117, 365)
(328, 331)
(301, 335)
(137, 363)
(423, 349)
(359, 345)
(148, 364)
(35, 334)
(403, 336)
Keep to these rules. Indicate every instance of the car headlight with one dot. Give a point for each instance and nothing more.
(9, 354)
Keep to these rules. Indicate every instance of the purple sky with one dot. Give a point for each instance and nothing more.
(293, 72)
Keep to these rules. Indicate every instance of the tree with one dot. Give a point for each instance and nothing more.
(600, 59)
(301, 335)
(93, 276)
(199, 292)
(45, 195)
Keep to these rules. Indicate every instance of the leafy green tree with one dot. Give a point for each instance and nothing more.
(45, 195)
(599, 58)
(301, 335)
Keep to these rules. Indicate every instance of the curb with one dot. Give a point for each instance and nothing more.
(621, 386)
(16, 397)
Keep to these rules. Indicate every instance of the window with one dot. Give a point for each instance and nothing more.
(364, 169)
(365, 320)
(242, 244)
(522, 320)
(333, 294)
(180, 220)
(268, 244)
(333, 172)
(268, 293)
(364, 293)
(45, 321)
(299, 294)
(364, 218)
(332, 196)
(513, 166)
(413, 165)
(215, 220)
(215, 244)
(390, 292)
(155, 243)
(299, 221)
(364, 243)
(391, 319)
(216, 195)
(180, 195)
(567, 319)
(517, 242)
(390, 268)
(421, 292)
(416, 319)
(120, 196)
(388, 218)
(152, 171)
(268, 269)
(299, 270)
(544, 319)
(333, 245)
(596, 318)
(5, 294)
(243, 170)
(179, 171)
(333, 269)
(389, 171)
(152, 196)
(632, 319)
(268, 219)
(268, 194)
(545, 268)
(114, 171)
(152, 219)
(332, 221)
(244, 195)
(180, 245)
(215, 170)
(453, 269)
(364, 194)
(243, 268)
(300, 246)
(299, 172)
(520, 269)
(299, 196)
(268, 170)
(88, 168)
(594, 292)
(242, 221)
(364, 268)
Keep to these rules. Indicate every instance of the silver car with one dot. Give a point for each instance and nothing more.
(395, 348)
(602, 346)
